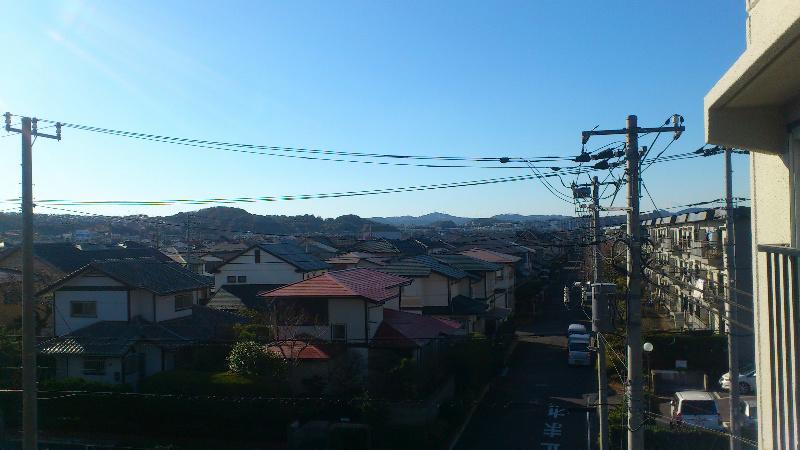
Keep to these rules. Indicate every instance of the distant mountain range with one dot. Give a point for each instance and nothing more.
(435, 218)
(438, 219)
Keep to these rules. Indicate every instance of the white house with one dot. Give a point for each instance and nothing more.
(117, 321)
(439, 289)
(505, 279)
(277, 263)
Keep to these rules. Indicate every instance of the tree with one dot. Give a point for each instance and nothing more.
(252, 358)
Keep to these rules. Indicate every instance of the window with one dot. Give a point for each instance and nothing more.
(241, 279)
(258, 256)
(94, 366)
(231, 278)
(498, 274)
(83, 309)
(183, 301)
(338, 332)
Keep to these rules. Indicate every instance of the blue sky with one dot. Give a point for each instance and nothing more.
(415, 77)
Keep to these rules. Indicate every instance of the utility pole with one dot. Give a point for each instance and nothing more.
(731, 312)
(602, 379)
(634, 269)
(634, 341)
(28, 129)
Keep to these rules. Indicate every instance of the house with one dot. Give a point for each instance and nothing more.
(418, 336)
(52, 261)
(378, 247)
(344, 306)
(484, 274)
(687, 263)
(439, 289)
(505, 279)
(756, 106)
(268, 263)
(117, 321)
(352, 260)
(240, 298)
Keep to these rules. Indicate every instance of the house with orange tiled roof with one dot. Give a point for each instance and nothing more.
(344, 306)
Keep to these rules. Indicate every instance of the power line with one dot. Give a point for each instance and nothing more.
(221, 145)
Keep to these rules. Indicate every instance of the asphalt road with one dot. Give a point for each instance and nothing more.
(539, 403)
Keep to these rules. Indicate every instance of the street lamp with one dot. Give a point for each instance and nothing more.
(648, 348)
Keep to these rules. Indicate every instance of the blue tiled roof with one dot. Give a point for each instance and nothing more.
(294, 255)
(441, 267)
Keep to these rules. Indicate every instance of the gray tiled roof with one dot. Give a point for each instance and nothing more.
(422, 265)
(468, 264)
(159, 277)
(109, 338)
(67, 257)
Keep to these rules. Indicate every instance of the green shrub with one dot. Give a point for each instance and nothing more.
(252, 358)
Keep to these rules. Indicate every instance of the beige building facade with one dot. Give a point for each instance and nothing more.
(756, 106)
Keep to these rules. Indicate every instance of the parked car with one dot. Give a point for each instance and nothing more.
(748, 414)
(578, 352)
(695, 408)
(747, 381)
(576, 328)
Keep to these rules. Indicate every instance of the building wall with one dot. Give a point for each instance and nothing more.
(165, 307)
(772, 194)
(352, 313)
(142, 304)
(111, 304)
(426, 291)
(271, 270)
(74, 369)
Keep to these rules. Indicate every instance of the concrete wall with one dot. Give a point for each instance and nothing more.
(773, 195)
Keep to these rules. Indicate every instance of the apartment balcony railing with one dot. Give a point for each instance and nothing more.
(708, 250)
(783, 305)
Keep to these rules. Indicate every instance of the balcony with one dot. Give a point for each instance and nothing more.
(778, 331)
(709, 251)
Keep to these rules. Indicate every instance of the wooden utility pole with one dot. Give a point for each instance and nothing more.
(634, 276)
(28, 128)
(730, 305)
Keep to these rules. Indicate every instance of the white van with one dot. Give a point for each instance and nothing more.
(578, 352)
(695, 408)
(576, 328)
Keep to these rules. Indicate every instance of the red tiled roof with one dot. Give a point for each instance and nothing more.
(298, 350)
(408, 330)
(491, 256)
(370, 284)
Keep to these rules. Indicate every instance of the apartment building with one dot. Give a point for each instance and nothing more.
(687, 263)
(756, 106)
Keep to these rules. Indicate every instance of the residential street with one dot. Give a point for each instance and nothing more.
(539, 403)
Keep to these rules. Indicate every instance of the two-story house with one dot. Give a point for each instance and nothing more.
(439, 289)
(505, 278)
(268, 264)
(117, 321)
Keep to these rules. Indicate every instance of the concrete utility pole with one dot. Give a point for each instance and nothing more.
(730, 305)
(634, 341)
(28, 129)
(602, 379)
(634, 323)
